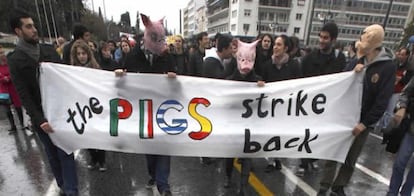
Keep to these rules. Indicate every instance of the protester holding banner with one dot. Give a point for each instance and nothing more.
(378, 87)
(263, 51)
(7, 88)
(105, 58)
(82, 55)
(24, 69)
(325, 60)
(280, 67)
(244, 72)
(195, 61)
(213, 66)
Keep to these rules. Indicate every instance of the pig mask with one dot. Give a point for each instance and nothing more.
(154, 35)
(246, 55)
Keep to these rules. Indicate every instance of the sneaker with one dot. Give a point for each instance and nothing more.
(269, 168)
(314, 166)
(102, 168)
(166, 193)
(91, 166)
(322, 191)
(150, 184)
(12, 129)
(278, 165)
(300, 172)
(227, 182)
(338, 191)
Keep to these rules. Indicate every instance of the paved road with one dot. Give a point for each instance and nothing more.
(24, 172)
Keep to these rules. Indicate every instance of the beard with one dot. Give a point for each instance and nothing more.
(31, 40)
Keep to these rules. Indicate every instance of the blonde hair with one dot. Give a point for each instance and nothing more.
(84, 46)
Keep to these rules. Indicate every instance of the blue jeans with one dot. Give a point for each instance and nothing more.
(63, 165)
(403, 156)
(159, 170)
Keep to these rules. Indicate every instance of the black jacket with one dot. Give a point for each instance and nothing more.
(137, 62)
(316, 63)
(378, 87)
(289, 70)
(195, 63)
(66, 52)
(25, 71)
(213, 68)
(250, 77)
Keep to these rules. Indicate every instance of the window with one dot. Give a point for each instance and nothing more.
(234, 1)
(234, 14)
(248, 0)
(247, 12)
(233, 27)
(298, 16)
(296, 30)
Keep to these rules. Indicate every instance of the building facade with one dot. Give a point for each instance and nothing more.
(352, 16)
(301, 18)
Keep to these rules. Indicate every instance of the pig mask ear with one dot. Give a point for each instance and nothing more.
(146, 20)
(161, 21)
(254, 44)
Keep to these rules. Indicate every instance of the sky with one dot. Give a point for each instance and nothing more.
(155, 9)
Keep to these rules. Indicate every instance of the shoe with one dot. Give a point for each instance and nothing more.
(278, 165)
(166, 193)
(102, 167)
(150, 184)
(227, 182)
(206, 161)
(322, 191)
(338, 191)
(300, 172)
(91, 166)
(314, 166)
(12, 129)
(269, 168)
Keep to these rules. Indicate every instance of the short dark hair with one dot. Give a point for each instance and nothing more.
(78, 31)
(200, 36)
(15, 17)
(332, 29)
(224, 41)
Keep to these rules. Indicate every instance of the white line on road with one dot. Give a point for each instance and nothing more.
(299, 182)
(375, 136)
(373, 174)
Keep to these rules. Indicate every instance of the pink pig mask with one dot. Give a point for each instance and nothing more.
(246, 55)
(154, 35)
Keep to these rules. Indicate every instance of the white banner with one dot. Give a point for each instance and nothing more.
(190, 116)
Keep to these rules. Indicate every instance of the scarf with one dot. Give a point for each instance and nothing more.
(32, 50)
(280, 61)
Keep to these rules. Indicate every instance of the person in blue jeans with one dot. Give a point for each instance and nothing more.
(407, 147)
(24, 68)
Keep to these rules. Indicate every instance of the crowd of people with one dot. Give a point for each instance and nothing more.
(277, 58)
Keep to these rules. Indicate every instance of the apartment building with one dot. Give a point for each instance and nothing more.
(301, 18)
(352, 16)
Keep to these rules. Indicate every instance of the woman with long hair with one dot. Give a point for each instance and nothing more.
(81, 55)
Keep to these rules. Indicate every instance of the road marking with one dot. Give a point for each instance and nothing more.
(298, 181)
(53, 189)
(375, 136)
(257, 185)
(373, 174)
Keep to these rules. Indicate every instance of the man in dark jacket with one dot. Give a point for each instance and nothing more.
(195, 62)
(378, 86)
(213, 66)
(24, 69)
(325, 60)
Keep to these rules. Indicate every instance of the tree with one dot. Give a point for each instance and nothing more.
(95, 24)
